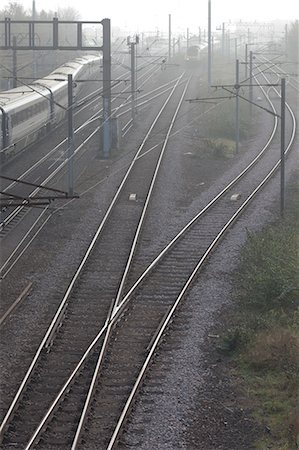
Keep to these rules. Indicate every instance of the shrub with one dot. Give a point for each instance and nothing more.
(268, 279)
(233, 339)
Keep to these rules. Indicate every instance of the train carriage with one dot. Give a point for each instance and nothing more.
(192, 56)
(27, 112)
(26, 116)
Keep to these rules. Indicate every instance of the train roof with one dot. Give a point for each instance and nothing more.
(14, 98)
(21, 95)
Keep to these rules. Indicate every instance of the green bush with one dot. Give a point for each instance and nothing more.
(263, 335)
(268, 275)
(233, 339)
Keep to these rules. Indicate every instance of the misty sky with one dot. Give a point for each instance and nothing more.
(154, 13)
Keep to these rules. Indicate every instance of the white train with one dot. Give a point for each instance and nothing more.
(27, 112)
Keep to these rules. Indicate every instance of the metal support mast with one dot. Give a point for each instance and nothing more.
(223, 39)
(70, 137)
(14, 62)
(246, 61)
(169, 36)
(209, 45)
(282, 147)
(237, 86)
(106, 87)
(133, 81)
(250, 81)
(33, 38)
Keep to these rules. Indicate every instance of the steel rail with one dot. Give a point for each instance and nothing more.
(3, 273)
(116, 315)
(124, 276)
(167, 319)
(197, 216)
(183, 292)
(87, 122)
(19, 208)
(50, 411)
(140, 106)
(118, 311)
(107, 214)
(290, 77)
(96, 338)
(96, 116)
(129, 124)
(213, 201)
(46, 341)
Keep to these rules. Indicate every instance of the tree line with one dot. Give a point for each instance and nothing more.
(293, 42)
(16, 11)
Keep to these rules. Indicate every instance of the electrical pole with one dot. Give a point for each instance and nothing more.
(11, 43)
(70, 137)
(14, 62)
(209, 44)
(106, 87)
(133, 87)
(187, 38)
(34, 55)
(237, 86)
(169, 36)
(223, 38)
(136, 71)
(246, 61)
(282, 146)
(250, 82)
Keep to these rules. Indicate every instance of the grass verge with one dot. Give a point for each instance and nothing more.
(263, 335)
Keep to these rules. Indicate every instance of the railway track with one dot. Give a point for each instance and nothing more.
(145, 303)
(15, 215)
(151, 305)
(114, 236)
(131, 325)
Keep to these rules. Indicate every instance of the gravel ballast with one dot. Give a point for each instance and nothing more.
(188, 401)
